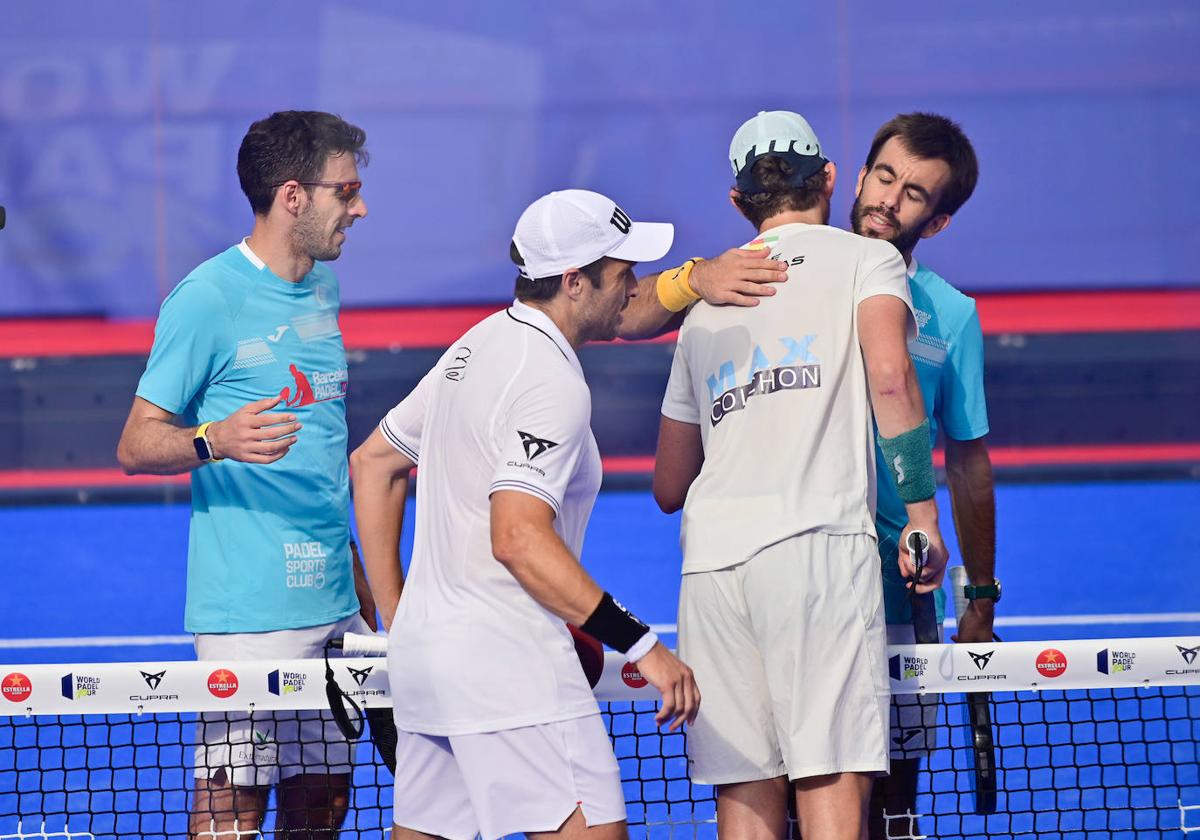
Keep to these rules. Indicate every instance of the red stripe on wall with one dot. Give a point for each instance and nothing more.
(373, 329)
(1016, 456)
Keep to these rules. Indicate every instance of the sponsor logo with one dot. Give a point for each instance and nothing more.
(261, 740)
(222, 683)
(761, 242)
(982, 661)
(797, 368)
(632, 677)
(1051, 663)
(529, 467)
(286, 682)
(75, 686)
(279, 331)
(905, 667)
(904, 737)
(922, 318)
(360, 677)
(534, 445)
(1189, 656)
(304, 563)
(1114, 661)
(315, 387)
(620, 221)
(153, 680)
(15, 687)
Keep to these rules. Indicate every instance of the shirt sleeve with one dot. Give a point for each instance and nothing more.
(542, 436)
(882, 272)
(963, 405)
(679, 402)
(191, 347)
(403, 426)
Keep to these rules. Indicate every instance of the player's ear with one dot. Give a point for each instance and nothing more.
(862, 175)
(830, 178)
(935, 225)
(572, 283)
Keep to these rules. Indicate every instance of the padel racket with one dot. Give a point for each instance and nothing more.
(979, 713)
(924, 609)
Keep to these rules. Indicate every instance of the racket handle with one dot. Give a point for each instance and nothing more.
(358, 644)
(958, 579)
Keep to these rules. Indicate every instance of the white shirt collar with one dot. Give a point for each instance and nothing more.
(540, 321)
(250, 255)
(912, 268)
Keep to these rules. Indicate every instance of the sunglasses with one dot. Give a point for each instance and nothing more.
(347, 190)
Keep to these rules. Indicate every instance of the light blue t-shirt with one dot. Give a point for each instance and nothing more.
(268, 546)
(948, 356)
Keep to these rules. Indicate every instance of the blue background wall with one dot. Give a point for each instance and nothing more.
(120, 121)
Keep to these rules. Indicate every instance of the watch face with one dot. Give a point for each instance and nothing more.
(202, 450)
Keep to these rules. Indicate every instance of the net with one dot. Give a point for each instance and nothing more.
(1096, 738)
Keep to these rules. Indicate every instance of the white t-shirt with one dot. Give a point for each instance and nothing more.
(506, 408)
(780, 394)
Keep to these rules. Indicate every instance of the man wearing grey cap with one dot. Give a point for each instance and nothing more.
(499, 732)
(766, 442)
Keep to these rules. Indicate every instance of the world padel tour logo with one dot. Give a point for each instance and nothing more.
(75, 686)
(15, 687)
(632, 677)
(1115, 661)
(905, 667)
(1051, 663)
(286, 682)
(222, 683)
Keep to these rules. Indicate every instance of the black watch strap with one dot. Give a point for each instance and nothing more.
(990, 590)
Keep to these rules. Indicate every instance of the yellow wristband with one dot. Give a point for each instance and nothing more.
(675, 293)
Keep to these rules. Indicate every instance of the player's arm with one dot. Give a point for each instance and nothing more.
(903, 427)
(973, 503)
(525, 543)
(677, 462)
(379, 474)
(153, 442)
(738, 277)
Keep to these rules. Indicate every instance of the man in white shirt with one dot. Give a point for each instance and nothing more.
(499, 730)
(767, 443)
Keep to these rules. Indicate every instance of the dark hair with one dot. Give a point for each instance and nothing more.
(773, 173)
(545, 288)
(292, 145)
(934, 137)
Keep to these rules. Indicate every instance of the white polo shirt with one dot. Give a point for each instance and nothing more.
(780, 394)
(506, 408)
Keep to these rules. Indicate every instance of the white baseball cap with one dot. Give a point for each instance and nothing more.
(782, 133)
(574, 228)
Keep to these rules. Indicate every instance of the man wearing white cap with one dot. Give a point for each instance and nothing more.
(767, 436)
(499, 730)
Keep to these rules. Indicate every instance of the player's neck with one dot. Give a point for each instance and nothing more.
(272, 245)
(558, 312)
(816, 216)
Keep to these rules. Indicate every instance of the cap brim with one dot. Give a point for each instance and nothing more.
(646, 242)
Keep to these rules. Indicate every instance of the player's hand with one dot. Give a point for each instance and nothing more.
(935, 559)
(252, 435)
(976, 623)
(738, 277)
(675, 682)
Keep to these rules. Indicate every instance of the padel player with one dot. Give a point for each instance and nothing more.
(920, 170)
(499, 730)
(766, 442)
(270, 569)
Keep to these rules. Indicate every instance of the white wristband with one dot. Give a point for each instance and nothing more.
(642, 646)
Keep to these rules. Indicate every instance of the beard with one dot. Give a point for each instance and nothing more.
(903, 239)
(311, 239)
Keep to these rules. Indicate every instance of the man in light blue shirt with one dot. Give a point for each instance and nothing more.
(245, 388)
(920, 170)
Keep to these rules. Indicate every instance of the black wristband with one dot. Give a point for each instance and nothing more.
(614, 625)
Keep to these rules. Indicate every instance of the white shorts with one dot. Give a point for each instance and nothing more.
(516, 780)
(788, 649)
(914, 717)
(260, 748)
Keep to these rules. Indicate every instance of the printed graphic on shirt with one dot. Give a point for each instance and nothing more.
(795, 368)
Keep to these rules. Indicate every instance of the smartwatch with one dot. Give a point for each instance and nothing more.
(203, 447)
(990, 590)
